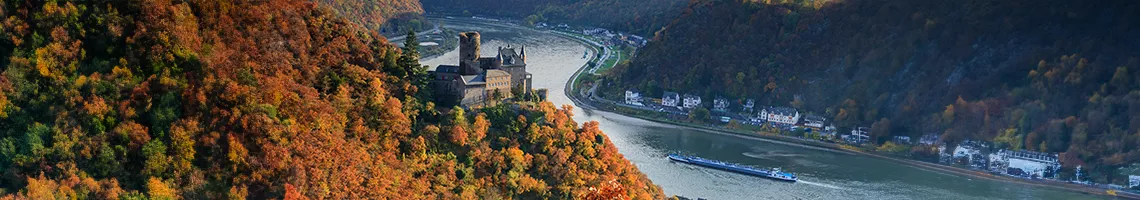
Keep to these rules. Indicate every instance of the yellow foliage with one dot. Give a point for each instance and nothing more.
(891, 147)
(3, 105)
(237, 152)
(41, 188)
(157, 189)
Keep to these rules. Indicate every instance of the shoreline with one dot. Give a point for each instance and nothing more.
(817, 145)
(570, 92)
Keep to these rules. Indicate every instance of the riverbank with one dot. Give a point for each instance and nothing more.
(586, 103)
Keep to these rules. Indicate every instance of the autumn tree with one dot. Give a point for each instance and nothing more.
(880, 129)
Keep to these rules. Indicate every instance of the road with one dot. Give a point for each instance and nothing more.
(401, 37)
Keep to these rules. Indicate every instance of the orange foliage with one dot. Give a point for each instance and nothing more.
(260, 100)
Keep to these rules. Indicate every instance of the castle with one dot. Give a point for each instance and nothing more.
(478, 80)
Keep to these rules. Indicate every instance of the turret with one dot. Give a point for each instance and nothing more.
(522, 53)
(468, 46)
(469, 53)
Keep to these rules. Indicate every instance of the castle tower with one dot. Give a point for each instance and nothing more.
(469, 53)
(468, 46)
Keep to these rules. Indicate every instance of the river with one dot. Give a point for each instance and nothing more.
(824, 174)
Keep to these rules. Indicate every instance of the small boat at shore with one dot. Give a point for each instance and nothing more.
(773, 173)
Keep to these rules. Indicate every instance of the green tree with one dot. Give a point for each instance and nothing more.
(409, 59)
(33, 144)
(156, 160)
(700, 114)
(411, 69)
(496, 95)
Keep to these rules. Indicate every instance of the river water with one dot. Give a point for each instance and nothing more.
(824, 174)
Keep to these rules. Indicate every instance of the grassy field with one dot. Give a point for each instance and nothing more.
(619, 55)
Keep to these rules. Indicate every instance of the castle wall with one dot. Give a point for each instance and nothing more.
(518, 76)
(498, 80)
(473, 95)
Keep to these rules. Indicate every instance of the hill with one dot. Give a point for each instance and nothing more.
(636, 16)
(1049, 76)
(262, 99)
(389, 17)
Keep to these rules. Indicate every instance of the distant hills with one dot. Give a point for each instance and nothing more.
(1053, 76)
(389, 17)
(637, 16)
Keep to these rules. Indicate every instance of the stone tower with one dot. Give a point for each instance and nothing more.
(469, 53)
(469, 46)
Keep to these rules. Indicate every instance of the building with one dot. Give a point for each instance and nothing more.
(901, 140)
(815, 121)
(828, 132)
(637, 41)
(749, 105)
(720, 104)
(971, 153)
(670, 99)
(595, 31)
(1133, 181)
(858, 136)
(633, 97)
(1026, 164)
(692, 101)
(477, 81)
(928, 139)
(781, 116)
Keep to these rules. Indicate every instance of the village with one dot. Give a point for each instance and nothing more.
(979, 156)
(790, 122)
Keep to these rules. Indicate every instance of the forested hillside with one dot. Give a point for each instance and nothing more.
(1053, 76)
(386, 16)
(262, 99)
(637, 16)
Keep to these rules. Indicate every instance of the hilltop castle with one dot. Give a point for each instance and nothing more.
(476, 80)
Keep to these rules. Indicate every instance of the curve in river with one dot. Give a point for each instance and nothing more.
(823, 174)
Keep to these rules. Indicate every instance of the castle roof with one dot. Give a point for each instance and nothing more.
(510, 56)
(496, 73)
(474, 79)
(447, 69)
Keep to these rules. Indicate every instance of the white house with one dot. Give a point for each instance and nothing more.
(828, 132)
(595, 31)
(1133, 181)
(670, 99)
(1029, 164)
(720, 104)
(928, 139)
(901, 139)
(633, 97)
(859, 135)
(972, 152)
(692, 101)
(780, 115)
(749, 104)
(814, 121)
